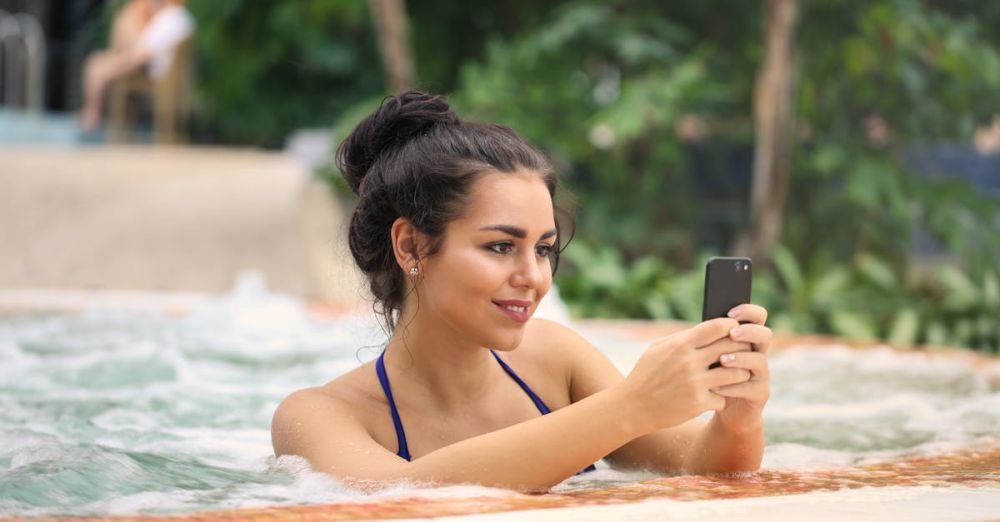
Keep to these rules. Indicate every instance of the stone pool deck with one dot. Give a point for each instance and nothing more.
(120, 219)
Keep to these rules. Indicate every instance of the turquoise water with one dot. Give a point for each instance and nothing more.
(109, 412)
(19, 127)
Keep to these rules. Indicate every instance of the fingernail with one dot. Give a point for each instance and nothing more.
(734, 313)
(735, 332)
(726, 358)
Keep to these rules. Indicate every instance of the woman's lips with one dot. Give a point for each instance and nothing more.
(517, 310)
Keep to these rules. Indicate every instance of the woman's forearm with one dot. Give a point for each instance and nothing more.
(718, 450)
(537, 454)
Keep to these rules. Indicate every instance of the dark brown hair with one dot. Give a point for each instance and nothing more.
(414, 158)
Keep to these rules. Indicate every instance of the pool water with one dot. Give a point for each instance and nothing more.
(18, 127)
(113, 412)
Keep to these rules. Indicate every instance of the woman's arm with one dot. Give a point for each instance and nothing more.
(716, 449)
(692, 446)
(530, 456)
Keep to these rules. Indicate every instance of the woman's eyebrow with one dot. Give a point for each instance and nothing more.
(517, 232)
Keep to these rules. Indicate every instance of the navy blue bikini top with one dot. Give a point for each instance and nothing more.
(404, 451)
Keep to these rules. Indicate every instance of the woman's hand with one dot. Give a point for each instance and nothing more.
(671, 382)
(744, 401)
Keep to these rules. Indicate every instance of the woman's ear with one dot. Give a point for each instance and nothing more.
(405, 243)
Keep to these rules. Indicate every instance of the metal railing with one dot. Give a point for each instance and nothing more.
(22, 61)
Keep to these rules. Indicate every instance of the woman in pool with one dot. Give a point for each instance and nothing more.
(455, 230)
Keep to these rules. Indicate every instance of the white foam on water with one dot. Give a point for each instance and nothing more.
(182, 407)
(144, 502)
(784, 455)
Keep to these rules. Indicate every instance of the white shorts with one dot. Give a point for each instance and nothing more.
(169, 27)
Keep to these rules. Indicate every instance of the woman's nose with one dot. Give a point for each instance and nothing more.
(529, 272)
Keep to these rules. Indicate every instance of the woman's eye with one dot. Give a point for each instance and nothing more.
(501, 248)
(544, 250)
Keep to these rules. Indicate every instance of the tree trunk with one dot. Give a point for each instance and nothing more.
(772, 124)
(393, 43)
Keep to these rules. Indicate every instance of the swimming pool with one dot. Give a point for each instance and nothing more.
(107, 412)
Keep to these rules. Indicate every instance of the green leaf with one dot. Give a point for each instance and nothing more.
(853, 326)
(937, 334)
(829, 158)
(963, 332)
(905, 327)
(788, 269)
(686, 295)
(645, 271)
(986, 326)
(862, 185)
(782, 322)
(960, 292)
(991, 290)
(827, 291)
(657, 306)
(875, 271)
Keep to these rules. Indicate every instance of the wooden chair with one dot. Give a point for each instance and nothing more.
(170, 95)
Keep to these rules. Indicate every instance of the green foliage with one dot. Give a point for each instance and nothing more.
(863, 301)
(868, 300)
(604, 286)
(922, 76)
(602, 88)
(267, 68)
(854, 201)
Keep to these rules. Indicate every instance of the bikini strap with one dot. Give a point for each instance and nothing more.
(404, 451)
(534, 398)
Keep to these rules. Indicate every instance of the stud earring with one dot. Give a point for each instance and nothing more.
(414, 271)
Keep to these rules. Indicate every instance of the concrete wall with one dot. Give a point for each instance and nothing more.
(169, 219)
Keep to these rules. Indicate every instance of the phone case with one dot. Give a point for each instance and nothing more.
(727, 284)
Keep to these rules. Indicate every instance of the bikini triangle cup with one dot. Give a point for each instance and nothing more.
(404, 450)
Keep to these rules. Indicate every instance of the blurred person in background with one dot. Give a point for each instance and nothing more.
(144, 34)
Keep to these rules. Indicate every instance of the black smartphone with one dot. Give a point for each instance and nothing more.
(727, 284)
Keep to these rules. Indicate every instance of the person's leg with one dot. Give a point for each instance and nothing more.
(100, 69)
(129, 24)
(93, 89)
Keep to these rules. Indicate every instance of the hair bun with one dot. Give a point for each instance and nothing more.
(397, 120)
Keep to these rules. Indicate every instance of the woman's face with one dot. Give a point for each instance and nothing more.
(493, 266)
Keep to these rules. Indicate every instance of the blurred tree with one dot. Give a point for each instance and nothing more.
(773, 125)
(394, 46)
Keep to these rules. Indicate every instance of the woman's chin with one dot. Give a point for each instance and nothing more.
(509, 340)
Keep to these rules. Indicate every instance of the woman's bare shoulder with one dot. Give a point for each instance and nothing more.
(342, 391)
(345, 398)
(549, 346)
(586, 368)
(545, 338)
(331, 427)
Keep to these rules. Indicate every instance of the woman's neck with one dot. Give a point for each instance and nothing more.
(432, 358)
